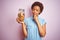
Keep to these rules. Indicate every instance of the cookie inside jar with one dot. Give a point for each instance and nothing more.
(21, 15)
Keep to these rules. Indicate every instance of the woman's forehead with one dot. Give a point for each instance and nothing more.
(36, 7)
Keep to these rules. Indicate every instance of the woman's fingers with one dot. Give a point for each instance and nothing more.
(17, 20)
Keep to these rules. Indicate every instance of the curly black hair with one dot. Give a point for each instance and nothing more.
(38, 4)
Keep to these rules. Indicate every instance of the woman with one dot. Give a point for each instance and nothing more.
(34, 27)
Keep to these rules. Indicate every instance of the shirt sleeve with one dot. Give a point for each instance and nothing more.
(42, 21)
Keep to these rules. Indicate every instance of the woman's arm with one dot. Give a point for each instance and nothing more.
(23, 27)
(41, 29)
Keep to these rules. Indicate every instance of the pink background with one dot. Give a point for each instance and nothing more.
(11, 30)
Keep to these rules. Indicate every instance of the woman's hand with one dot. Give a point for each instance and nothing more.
(17, 19)
(35, 18)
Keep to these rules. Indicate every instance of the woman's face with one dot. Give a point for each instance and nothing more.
(36, 10)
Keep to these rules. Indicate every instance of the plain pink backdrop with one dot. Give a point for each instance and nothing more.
(11, 30)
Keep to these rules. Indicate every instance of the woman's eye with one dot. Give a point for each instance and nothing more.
(36, 10)
(33, 9)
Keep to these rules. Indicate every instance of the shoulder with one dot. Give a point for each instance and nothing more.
(29, 18)
(26, 20)
(41, 19)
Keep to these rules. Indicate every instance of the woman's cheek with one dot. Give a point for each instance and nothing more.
(33, 12)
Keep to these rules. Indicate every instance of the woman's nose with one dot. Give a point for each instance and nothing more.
(34, 10)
